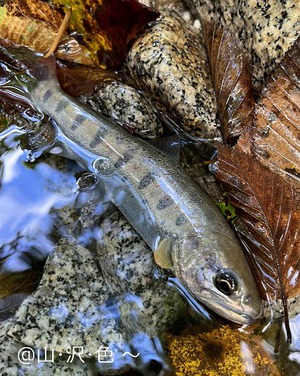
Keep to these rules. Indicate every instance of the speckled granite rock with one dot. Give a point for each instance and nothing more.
(175, 5)
(267, 28)
(169, 63)
(111, 298)
(148, 304)
(127, 105)
(274, 309)
(70, 308)
(10, 365)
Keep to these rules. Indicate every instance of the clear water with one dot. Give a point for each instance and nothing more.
(34, 194)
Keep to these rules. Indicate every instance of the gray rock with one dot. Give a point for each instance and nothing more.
(70, 309)
(127, 105)
(169, 63)
(11, 360)
(147, 303)
(267, 28)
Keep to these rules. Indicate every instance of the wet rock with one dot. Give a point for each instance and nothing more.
(179, 6)
(70, 309)
(127, 105)
(12, 362)
(148, 304)
(169, 63)
(267, 28)
(274, 309)
(111, 298)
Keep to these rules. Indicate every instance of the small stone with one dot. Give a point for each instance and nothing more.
(170, 65)
(127, 105)
(147, 304)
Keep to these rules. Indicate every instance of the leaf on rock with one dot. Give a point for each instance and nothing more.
(269, 208)
(108, 26)
(82, 80)
(275, 139)
(232, 80)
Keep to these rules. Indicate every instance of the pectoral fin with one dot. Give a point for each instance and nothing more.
(162, 255)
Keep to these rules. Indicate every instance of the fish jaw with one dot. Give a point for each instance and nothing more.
(197, 263)
(243, 311)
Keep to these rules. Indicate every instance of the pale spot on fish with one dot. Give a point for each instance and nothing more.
(56, 150)
(164, 202)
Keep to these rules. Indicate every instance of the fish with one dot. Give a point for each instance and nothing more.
(172, 213)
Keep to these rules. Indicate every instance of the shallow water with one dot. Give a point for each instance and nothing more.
(49, 198)
(30, 194)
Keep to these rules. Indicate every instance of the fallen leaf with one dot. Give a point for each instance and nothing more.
(17, 282)
(269, 208)
(34, 9)
(82, 80)
(21, 29)
(222, 351)
(232, 80)
(13, 282)
(107, 26)
(275, 137)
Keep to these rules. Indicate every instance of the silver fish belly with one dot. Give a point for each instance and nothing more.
(165, 206)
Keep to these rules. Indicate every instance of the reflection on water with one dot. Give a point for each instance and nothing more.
(27, 194)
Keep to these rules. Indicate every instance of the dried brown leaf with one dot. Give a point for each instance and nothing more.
(29, 30)
(269, 208)
(35, 9)
(232, 80)
(82, 80)
(275, 139)
(14, 282)
(107, 26)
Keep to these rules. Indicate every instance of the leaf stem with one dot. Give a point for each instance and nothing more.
(60, 32)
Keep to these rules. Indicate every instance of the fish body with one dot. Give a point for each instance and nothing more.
(166, 207)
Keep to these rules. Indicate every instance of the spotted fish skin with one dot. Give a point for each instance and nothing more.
(177, 205)
(173, 215)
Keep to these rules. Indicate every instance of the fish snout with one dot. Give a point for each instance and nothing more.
(253, 308)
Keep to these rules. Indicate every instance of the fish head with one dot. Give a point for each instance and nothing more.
(216, 273)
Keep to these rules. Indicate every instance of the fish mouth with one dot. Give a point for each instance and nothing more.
(230, 313)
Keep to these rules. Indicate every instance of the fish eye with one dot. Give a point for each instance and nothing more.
(226, 282)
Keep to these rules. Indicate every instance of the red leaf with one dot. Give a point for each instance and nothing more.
(232, 80)
(269, 208)
(275, 138)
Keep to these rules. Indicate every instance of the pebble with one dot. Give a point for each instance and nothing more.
(10, 365)
(169, 64)
(128, 106)
(148, 304)
(267, 29)
(111, 297)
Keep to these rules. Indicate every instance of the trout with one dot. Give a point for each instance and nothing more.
(171, 212)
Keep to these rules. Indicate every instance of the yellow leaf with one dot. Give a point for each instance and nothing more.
(220, 352)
